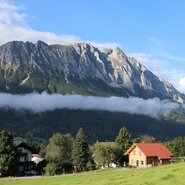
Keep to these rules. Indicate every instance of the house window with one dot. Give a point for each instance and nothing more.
(142, 163)
(140, 153)
(21, 168)
(134, 152)
(137, 163)
(132, 161)
(30, 167)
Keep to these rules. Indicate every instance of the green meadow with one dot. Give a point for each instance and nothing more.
(163, 175)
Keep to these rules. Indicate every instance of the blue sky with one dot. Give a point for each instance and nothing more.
(152, 31)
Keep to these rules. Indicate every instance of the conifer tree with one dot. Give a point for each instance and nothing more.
(80, 152)
(124, 139)
(8, 154)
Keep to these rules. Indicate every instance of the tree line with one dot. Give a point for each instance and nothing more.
(65, 154)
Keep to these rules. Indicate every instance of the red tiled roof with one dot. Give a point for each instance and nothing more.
(152, 149)
(35, 155)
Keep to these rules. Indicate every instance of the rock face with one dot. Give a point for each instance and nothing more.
(77, 69)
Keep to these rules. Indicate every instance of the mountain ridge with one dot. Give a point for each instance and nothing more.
(79, 68)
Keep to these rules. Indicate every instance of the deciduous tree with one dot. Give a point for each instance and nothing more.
(59, 149)
(106, 153)
(147, 139)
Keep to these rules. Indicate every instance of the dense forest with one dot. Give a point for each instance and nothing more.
(98, 125)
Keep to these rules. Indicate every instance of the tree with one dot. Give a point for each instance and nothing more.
(59, 149)
(38, 147)
(8, 154)
(177, 146)
(147, 139)
(124, 139)
(171, 146)
(106, 153)
(80, 152)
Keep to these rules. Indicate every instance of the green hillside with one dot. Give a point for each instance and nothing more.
(98, 125)
(163, 175)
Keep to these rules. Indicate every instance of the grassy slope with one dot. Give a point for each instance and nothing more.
(164, 175)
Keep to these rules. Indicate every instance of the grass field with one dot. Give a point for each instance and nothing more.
(163, 175)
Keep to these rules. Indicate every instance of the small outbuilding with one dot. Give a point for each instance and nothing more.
(148, 154)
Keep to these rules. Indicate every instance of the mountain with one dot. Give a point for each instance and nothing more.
(82, 69)
(78, 69)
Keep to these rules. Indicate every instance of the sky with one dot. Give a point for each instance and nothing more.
(151, 31)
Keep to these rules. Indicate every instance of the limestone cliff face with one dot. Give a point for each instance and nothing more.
(77, 69)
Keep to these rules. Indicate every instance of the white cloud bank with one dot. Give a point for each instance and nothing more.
(182, 83)
(45, 102)
(13, 26)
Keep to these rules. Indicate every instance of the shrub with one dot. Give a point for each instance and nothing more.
(67, 166)
(51, 169)
(91, 165)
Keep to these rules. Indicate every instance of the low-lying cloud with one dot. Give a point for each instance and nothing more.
(47, 102)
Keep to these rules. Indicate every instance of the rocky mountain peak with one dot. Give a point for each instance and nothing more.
(79, 68)
(114, 52)
(83, 47)
(41, 44)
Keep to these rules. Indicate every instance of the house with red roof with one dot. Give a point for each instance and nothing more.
(148, 154)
